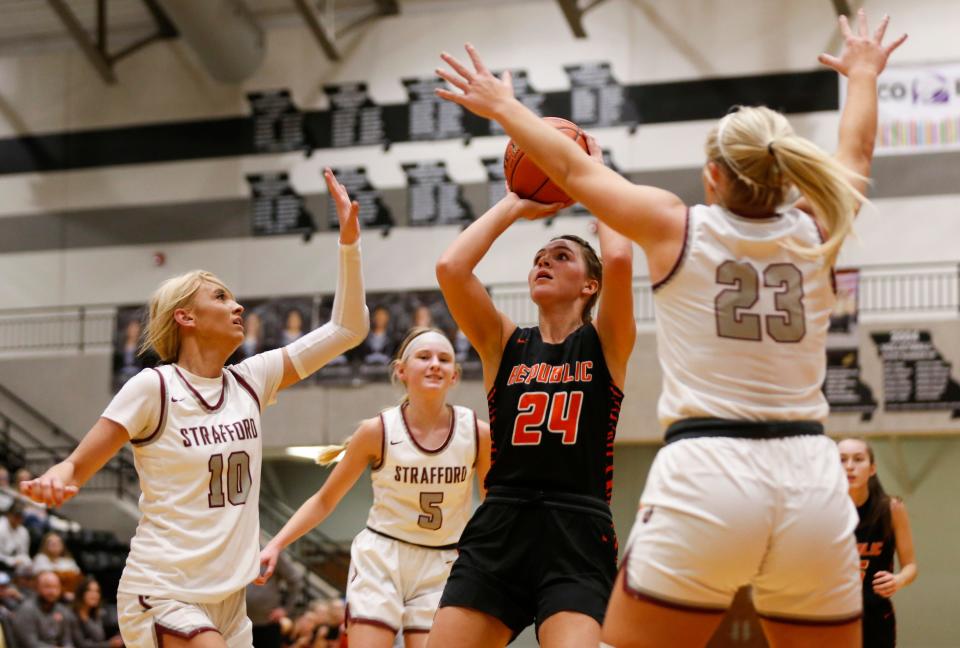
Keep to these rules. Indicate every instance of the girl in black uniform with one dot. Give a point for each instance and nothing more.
(541, 548)
(884, 528)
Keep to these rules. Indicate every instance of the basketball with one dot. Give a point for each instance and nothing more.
(526, 179)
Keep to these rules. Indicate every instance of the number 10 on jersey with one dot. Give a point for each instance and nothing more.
(535, 407)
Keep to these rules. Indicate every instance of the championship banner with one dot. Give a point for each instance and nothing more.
(843, 387)
(919, 108)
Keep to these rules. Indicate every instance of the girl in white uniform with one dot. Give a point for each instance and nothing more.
(423, 455)
(747, 489)
(195, 428)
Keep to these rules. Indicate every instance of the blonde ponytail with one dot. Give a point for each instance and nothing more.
(330, 454)
(765, 160)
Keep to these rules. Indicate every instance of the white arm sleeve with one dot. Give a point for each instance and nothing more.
(349, 322)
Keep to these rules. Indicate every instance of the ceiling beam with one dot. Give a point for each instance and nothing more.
(842, 7)
(388, 7)
(574, 14)
(318, 30)
(93, 53)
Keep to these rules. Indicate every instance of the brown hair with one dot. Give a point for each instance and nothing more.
(876, 510)
(594, 271)
(762, 156)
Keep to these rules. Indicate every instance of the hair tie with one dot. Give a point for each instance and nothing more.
(770, 149)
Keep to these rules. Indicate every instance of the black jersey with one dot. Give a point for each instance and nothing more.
(875, 544)
(553, 415)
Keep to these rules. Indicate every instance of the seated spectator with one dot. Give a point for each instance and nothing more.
(6, 493)
(53, 556)
(14, 539)
(86, 621)
(379, 345)
(10, 596)
(42, 623)
(25, 580)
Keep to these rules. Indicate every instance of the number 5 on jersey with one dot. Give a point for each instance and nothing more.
(534, 407)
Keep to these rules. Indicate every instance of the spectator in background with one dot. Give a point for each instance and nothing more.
(6, 494)
(268, 604)
(14, 539)
(293, 328)
(53, 556)
(25, 580)
(42, 623)
(85, 622)
(126, 361)
(422, 316)
(379, 345)
(10, 596)
(253, 335)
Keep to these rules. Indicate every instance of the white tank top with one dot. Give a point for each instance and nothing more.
(199, 468)
(742, 321)
(421, 496)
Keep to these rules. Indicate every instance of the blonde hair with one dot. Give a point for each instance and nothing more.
(161, 333)
(766, 159)
(327, 455)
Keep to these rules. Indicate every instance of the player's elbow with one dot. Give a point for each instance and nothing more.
(450, 270)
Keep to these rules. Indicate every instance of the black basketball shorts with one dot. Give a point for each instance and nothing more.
(526, 555)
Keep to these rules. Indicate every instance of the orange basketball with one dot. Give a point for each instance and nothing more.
(526, 179)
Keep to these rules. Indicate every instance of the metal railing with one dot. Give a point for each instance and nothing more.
(887, 289)
(118, 476)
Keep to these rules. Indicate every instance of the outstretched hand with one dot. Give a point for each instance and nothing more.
(862, 52)
(483, 93)
(268, 563)
(348, 212)
(48, 489)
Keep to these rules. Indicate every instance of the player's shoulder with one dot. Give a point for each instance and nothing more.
(145, 381)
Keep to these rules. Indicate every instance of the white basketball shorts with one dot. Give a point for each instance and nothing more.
(718, 513)
(395, 584)
(145, 620)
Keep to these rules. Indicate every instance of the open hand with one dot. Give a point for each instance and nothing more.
(348, 212)
(483, 93)
(862, 52)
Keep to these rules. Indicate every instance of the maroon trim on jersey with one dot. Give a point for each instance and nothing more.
(673, 605)
(383, 444)
(682, 255)
(163, 412)
(823, 239)
(143, 602)
(443, 446)
(415, 630)
(811, 622)
(243, 383)
(476, 440)
(161, 630)
(203, 403)
(349, 619)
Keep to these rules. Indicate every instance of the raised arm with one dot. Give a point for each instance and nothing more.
(364, 449)
(62, 481)
(468, 300)
(350, 321)
(615, 321)
(647, 215)
(862, 60)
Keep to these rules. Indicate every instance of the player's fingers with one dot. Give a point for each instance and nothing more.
(507, 78)
(830, 61)
(69, 492)
(477, 61)
(57, 490)
(452, 79)
(46, 491)
(895, 44)
(845, 27)
(449, 96)
(862, 24)
(460, 68)
(881, 29)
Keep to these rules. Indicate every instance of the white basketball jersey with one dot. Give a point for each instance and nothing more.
(198, 537)
(742, 321)
(422, 496)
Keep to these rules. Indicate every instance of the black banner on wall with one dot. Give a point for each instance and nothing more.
(430, 117)
(432, 197)
(525, 93)
(373, 211)
(596, 98)
(496, 180)
(355, 119)
(276, 207)
(916, 376)
(277, 122)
